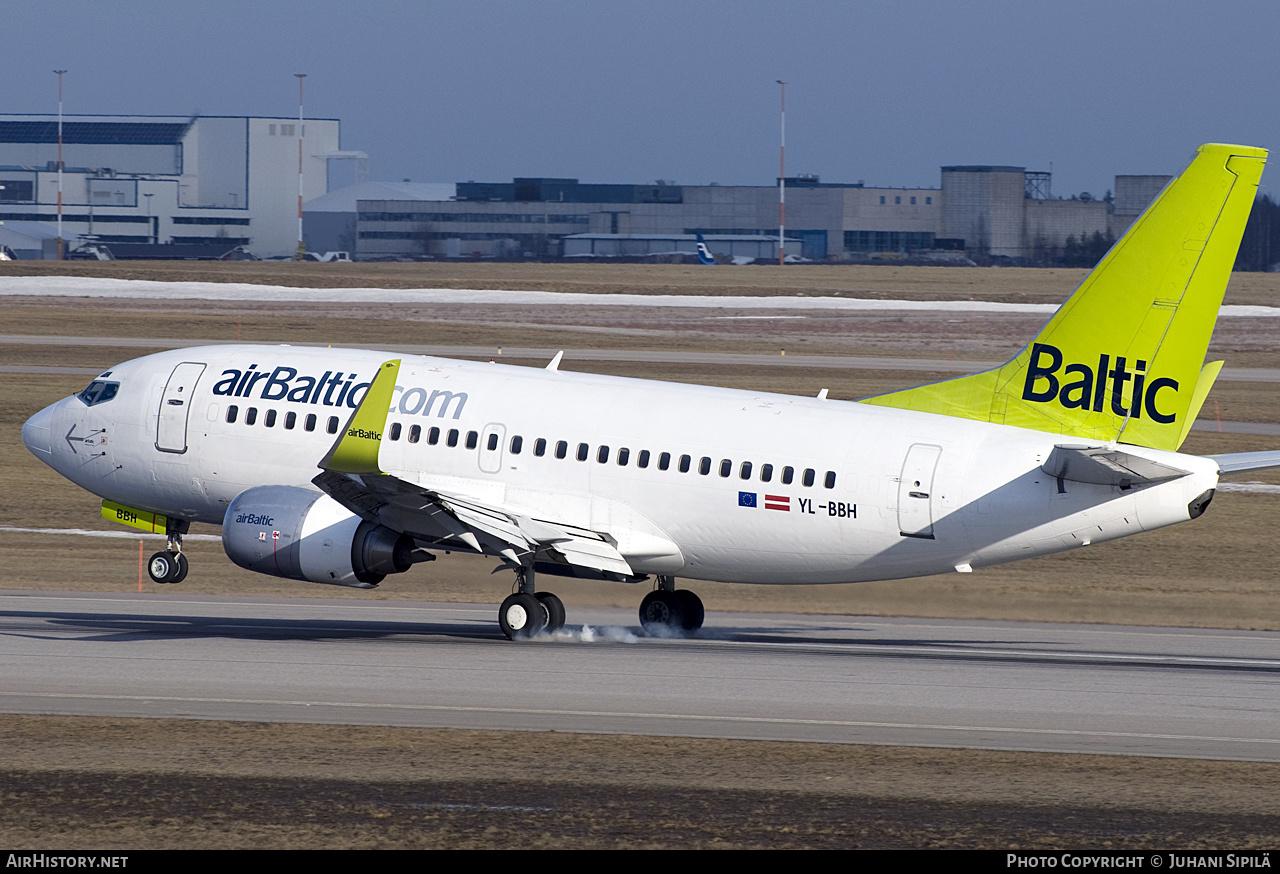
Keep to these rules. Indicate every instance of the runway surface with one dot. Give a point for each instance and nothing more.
(993, 685)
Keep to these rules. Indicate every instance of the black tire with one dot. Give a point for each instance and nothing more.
(183, 567)
(694, 613)
(662, 611)
(555, 610)
(521, 616)
(162, 567)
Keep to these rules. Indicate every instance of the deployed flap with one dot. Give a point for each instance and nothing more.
(453, 522)
(1105, 466)
(1241, 462)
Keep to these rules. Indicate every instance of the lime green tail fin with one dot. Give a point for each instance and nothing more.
(1122, 358)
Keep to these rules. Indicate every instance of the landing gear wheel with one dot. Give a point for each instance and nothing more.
(164, 567)
(662, 611)
(521, 616)
(181, 573)
(694, 613)
(554, 608)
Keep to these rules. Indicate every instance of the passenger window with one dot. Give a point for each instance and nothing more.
(540, 447)
(808, 476)
(704, 466)
(830, 481)
(270, 420)
(642, 460)
(492, 442)
(664, 461)
(583, 450)
(452, 439)
(473, 438)
(395, 430)
(602, 454)
(310, 424)
(251, 415)
(290, 419)
(684, 463)
(415, 433)
(517, 443)
(562, 449)
(745, 471)
(766, 473)
(623, 455)
(788, 474)
(726, 467)
(232, 412)
(433, 436)
(333, 424)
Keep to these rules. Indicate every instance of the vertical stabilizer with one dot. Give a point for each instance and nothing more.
(1121, 359)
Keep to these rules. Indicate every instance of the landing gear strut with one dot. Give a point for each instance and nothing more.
(527, 611)
(667, 609)
(171, 565)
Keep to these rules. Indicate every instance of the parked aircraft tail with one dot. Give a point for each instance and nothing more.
(704, 254)
(1123, 359)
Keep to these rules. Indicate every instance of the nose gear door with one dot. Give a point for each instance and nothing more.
(175, 407)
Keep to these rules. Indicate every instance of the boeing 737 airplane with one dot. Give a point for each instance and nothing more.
(343, 467)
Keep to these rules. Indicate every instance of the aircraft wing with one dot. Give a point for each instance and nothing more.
(351, 476)
(1105, 466)
(455, 522)
(1242, 462)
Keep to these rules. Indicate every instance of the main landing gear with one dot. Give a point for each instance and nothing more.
(171, 565)
(667, 609)
(528, 612)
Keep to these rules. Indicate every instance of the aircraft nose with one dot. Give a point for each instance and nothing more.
(37, 433)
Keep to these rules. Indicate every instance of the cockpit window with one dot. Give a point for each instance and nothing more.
(99, 392)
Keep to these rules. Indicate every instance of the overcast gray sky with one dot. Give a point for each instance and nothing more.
(604, 91)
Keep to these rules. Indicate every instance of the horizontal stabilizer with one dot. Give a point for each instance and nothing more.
(1102, 465)
(1242, 462)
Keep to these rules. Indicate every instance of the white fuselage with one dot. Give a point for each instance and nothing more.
(893, 493)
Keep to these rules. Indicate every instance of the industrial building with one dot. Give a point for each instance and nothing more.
(147, 182)
(986, 211)
(165, 179)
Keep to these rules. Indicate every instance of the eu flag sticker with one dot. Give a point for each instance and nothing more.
(746, 499)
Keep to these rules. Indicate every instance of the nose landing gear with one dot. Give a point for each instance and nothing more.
(171, 565)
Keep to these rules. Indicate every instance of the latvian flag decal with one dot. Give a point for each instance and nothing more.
(771, 502)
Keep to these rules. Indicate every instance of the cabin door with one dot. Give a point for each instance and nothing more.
(915, 491)
(175, 407)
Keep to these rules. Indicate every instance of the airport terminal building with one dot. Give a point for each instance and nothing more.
(987, 211)
(226, 181)
(165, 179)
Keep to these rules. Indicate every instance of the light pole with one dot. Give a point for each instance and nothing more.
(59, 72)
(782, 178)
(302, 249)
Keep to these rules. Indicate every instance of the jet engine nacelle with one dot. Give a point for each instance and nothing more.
(301, 534)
